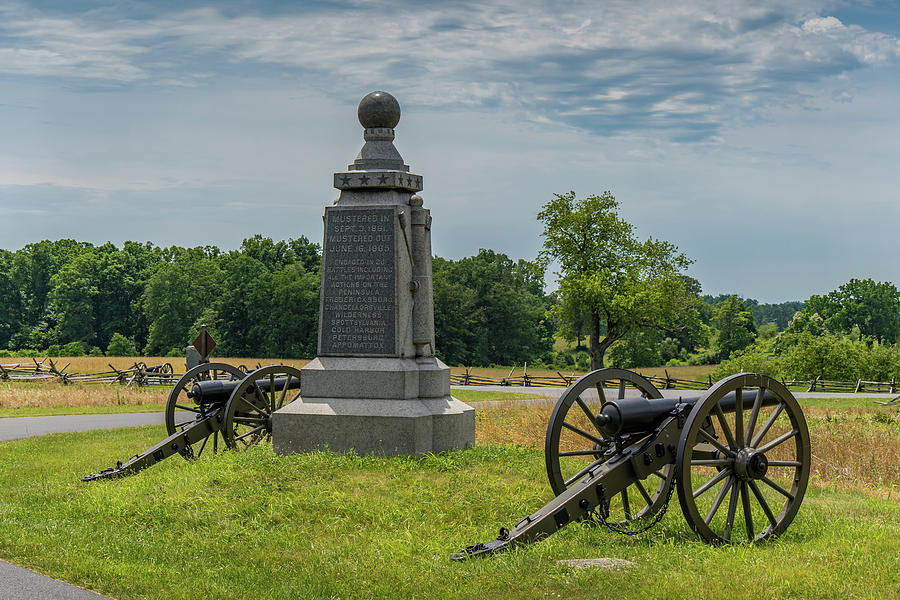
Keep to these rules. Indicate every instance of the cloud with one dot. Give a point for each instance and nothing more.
(679, 71)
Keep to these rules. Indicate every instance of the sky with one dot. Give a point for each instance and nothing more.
(762, 138)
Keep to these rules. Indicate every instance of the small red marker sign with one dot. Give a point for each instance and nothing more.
(204, 343)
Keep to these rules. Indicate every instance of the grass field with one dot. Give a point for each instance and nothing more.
(255, 525)
(45, 399)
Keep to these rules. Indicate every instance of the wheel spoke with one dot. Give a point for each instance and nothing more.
(719, 477)
(785, 463)
(252, 406)
(739, 417)
(263, 399)
(778, 488)
(287, 386)
(732, 509)
(582, 433)
(621, 393)
(754, 414)
(779, 440)
(659, 474)
(726, 430)
(715, 442)
(748, 516)
(590, 415)
(578, 453)
(718, 501)
(765, 429)
(762, 503)
(249, 433)
(643, 491)
(188, 408)
(270, 402)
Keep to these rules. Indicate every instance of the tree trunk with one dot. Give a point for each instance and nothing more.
(594, 343)
(599, 347)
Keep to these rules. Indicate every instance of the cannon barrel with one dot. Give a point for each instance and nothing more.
(218, 391)
(638, 414)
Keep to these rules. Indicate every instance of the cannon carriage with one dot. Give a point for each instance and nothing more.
(738, 457)
(214, 400)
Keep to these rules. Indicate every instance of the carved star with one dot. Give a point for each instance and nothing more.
(409, 181)
(382, 179)
(345, 180)
(364, 180)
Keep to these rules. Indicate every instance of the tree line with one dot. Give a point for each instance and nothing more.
(628, 299)
(66, 297)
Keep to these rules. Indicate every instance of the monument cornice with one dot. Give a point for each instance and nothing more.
(378, 180)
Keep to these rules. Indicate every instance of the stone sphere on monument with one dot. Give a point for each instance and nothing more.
(379, 110)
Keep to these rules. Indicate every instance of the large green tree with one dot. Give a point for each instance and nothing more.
(734, 326)
(871, 307)
(622, 282)
(489, 309)
(175, 296)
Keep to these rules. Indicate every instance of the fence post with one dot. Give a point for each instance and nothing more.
(859, 386)
(893, 386)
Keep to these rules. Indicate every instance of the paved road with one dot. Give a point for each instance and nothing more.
(17, 583)
(24, 427)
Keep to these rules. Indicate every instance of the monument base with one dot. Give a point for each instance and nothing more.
(374, 405)
(375, 426)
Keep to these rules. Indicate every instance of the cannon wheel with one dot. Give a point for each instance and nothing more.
(180, 409)
(248, 414)
(757, 457)
(574, 444)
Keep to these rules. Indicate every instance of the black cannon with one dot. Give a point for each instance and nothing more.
(744, 441)
(216, 399)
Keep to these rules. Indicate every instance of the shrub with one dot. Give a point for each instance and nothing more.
(755, 358)
(563, 360)
(73, 349)
(95, 351)
(119, 345)
(53, 350)
(582, 360)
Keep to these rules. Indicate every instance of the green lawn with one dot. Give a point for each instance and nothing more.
(255, 525)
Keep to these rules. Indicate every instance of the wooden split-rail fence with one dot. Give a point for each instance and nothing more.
(140, 374)
(49, 371)
(668, 382)
(563, 380)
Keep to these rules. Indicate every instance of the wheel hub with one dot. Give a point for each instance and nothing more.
(750, 464)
